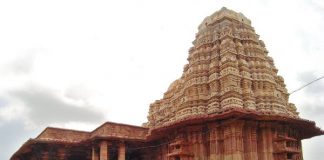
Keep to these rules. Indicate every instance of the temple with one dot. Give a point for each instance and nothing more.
(229, 104)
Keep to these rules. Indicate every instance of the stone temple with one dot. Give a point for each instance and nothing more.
(229, 104)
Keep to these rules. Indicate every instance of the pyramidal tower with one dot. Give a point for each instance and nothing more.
(230, 103)
(229, 70)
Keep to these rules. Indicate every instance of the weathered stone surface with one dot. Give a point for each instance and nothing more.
(121, 151)
(62, 135)
(104, 152)
(233, 140)
(228, 68)
(121, 131)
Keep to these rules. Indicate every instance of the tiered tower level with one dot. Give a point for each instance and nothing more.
(230, 103)
(229, 68)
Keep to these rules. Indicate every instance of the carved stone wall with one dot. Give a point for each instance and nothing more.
(228, 68)
(230, 140)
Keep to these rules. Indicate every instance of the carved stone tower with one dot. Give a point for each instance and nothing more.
(229, 103)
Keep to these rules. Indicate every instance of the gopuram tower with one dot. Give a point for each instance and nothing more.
(229, 103)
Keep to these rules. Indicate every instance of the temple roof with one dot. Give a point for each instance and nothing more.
(62, 135)
(119, 131)
(109, 130)
(224, 12)
(228, 68)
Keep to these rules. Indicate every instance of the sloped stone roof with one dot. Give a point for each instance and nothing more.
(106, 130)
(62, 135)
(120, 131)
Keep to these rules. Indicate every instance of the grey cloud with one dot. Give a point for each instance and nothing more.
(78, 92)
(3, 102)
(45, 107)
(24, 63)
(12, 135)
(313, 148)
(313, 111)
(306, 76)
(313, 105)
(316, 88)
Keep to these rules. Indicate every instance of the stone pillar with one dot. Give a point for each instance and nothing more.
(254, 143)
(265, 147)
(269, 143)
(250, 141)
(121, 151)
(227, 143)
(215, 140)
(104, 152)
(233, 140)
(238, 140)
(201, 149)
(212, 144)
(94, 153)
(220, 145)
(300, 149)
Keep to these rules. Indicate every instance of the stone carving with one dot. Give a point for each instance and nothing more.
(227, 60)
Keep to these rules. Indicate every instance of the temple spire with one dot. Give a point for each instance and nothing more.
(228, 68)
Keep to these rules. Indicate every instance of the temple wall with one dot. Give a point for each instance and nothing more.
(231, 140)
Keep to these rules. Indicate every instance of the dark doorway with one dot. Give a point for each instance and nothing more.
(79, 156)
(134, 155)
(113, 153)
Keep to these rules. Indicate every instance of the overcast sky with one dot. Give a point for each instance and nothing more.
(76, 64)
